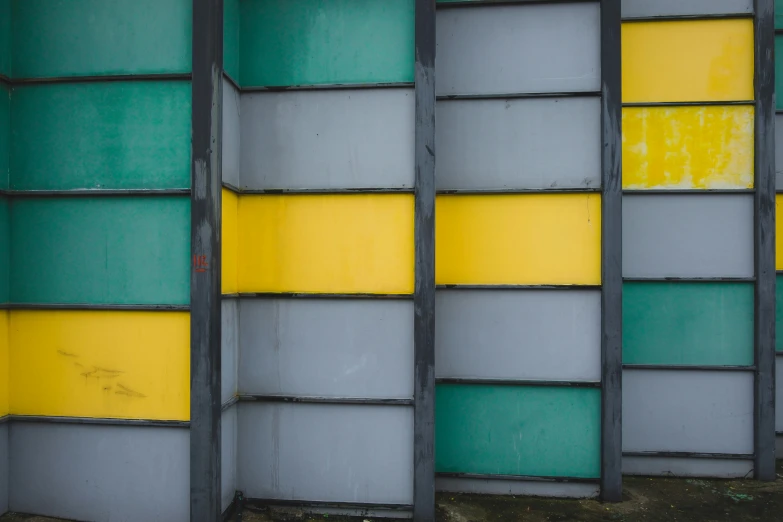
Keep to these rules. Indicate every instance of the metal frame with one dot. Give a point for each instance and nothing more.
(205, 300)
(764, 232)
(305, 399)
(518, 382)
(688, 455)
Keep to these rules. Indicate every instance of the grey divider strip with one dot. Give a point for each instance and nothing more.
(611, 254)
(424, 285)
(689, 455)
(205, 299)
(520, 382)
(687, 368)
(536, 488)
(301, 399)
(42, 419)
(764, 233)
(657, 8)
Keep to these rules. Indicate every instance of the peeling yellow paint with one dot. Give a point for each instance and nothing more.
(4, 407)
(707, 147)
(229, 242)
(518, 239)
(102, 364)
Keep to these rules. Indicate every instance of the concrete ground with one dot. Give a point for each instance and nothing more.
(646, 499)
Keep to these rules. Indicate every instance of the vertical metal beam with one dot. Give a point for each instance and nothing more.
(764, 230)
(611, 255)
(205, 261)
(424, 290)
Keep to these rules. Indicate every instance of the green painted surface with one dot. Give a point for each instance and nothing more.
(518, 430)
(100, 37)
(5, 38)
(779, 313)
(105, 250)
(309, 42)
(112, 135)
(5, 133)
(688, 323)
(778, 14)
(231, 38)
(4, 249)
(778, 69)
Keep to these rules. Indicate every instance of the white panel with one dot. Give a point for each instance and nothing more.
(228, 456)
(687, 467)
(229, 348)
(231, 140)
(516, 487)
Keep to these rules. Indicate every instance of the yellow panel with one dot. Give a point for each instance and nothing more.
(326, 243)
(706, 60)
(688, 147)
(230, 243)
(779, 234)
(518, 239)
(3, 363)
(103, 364)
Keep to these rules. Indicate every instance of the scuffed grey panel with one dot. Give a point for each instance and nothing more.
(516, 487)
(231, 140)
(519, 144)
(697, 411)
(513, 49)
(3, 467)
(688, 235)
(336, 348)
(228, 456)
(779, 151)
(100, 473)
(779, 393)
(327, 452)
(328, 139)
(687, 467)
(524, 334)
(229, 348)
(779, 447)
(645, 8)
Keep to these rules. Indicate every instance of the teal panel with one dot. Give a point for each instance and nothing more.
(309, 42)
(100, 37)
(779, 314)
(688, 323)
(106, 250)
(231, 38)
(112, 135)
(4, 249)
(518, 430)
(5, 133)
(5, 38)
(778, 68)
(778, 14)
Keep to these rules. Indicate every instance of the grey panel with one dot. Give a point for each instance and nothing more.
(328, 139)
(511, 49)
(516, 487)
(688, 235)
(100, 473)
(779, 151)
(779, 447)
(231, 141)
(645, 8)
(229, 348)
(326, 452)
(525, 334)
(228, 456)
(687, 467)
(336, 348)
(519, 144)
(698, 411)
(3, 467)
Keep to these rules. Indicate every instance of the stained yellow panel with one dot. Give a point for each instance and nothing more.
(326, 243)
(708, 147)
(518, 239)
(779, 233)
(3, 363)
(705, 60)
(102, 364)
(230, 242)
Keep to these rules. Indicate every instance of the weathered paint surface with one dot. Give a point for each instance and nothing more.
(4, 362)
(688, 323)
(707, 147)
(347, 42)
(706, 60)
(525, 334)
(231, 38)
(687, 467)
(518, 144)
(230, 242)
(117, 135)
(333, 453)
(512, 49)
(779, 314)
(61, 364)
(518, 430)
(327, 348)
(645, 8)
(118, 250)
(675, 410)
(82, 472)
(518, 239)
(95, 37)
(326, 244)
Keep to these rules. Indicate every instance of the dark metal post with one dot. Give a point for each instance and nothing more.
(424, 291)
(611, 256)
(764, 231)
(205, 261)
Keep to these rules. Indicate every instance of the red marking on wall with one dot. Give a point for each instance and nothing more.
(200, 263)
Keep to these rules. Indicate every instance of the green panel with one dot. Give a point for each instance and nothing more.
(231, 38)
(112, 135)
(101, 37)
(688, 323)
(518, 430)
(779, 69)
(778, 14)
(4, 249)
(5, 133)
(779, 314)
(106, 250)
(309, 42)
(5, 38)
